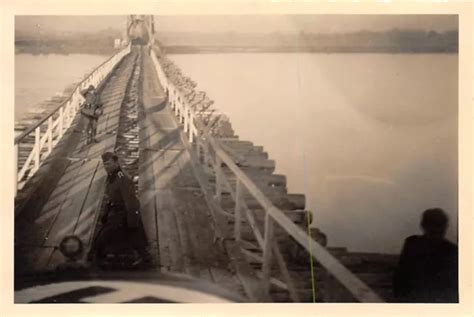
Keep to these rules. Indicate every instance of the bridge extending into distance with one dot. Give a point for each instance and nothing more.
(211, 205)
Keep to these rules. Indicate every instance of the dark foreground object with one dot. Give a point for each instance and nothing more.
(95, 286)
(428, 268)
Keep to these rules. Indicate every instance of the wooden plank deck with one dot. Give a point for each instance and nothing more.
(74, 202)
(171, 199)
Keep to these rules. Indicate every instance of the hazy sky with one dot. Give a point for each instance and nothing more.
(69, 23)
(308, 23)
(247, 23)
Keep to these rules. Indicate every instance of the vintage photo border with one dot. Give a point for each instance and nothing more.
(10, 8)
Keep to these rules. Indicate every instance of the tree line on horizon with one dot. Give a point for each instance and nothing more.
(397, 40)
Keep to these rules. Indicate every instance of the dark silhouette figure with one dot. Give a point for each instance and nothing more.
(122, 226)
(427, 271)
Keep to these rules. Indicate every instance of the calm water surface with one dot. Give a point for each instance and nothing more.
(371, 139)
(39, 77)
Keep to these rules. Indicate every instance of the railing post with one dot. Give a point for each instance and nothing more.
(175, 103)
(184, 115)
(198, 148)
(72, 109)
(218, 178)
(238, 210)
(191, 134)
(186, 119)
(37, 147)
(61, 121)
(50, 134)
(206, 154)
(267, 253)
(191, 128)
(67, 112)
(75, 105)
(15, 168)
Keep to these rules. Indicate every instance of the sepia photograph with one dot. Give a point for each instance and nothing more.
(236, 158)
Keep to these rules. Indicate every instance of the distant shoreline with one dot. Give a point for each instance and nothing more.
(44, 50)
(65, 47)
(329, 50)
(60, 51)
(391, 41)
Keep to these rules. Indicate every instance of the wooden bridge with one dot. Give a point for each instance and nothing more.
(211, 205)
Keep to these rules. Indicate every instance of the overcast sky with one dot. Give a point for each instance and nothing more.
(247, 23)
(308, 23)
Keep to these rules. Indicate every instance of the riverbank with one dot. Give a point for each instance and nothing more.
(394, 41)
(64, 49)
(184, 49)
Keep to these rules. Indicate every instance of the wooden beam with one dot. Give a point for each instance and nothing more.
(267, 253)
(238, 211)
(275, 281)
(284, 272)
(254, 256)
(245, 273)
(247, 276)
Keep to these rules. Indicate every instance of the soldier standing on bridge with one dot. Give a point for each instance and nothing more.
(427, 271)
(91, 110)
(122, 225)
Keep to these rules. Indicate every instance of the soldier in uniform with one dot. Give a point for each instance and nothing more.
(91, 110)
(121, 220)
(427, 271)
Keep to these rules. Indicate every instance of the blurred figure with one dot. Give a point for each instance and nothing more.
(427, 271)
(91, 110)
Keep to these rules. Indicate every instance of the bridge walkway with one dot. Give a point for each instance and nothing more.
(73, 205)
(174, 211)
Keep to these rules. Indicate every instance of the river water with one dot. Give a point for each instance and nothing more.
(370, 139)
(39, 77)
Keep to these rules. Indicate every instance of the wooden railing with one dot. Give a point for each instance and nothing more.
(47, 132)
(215, 155)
